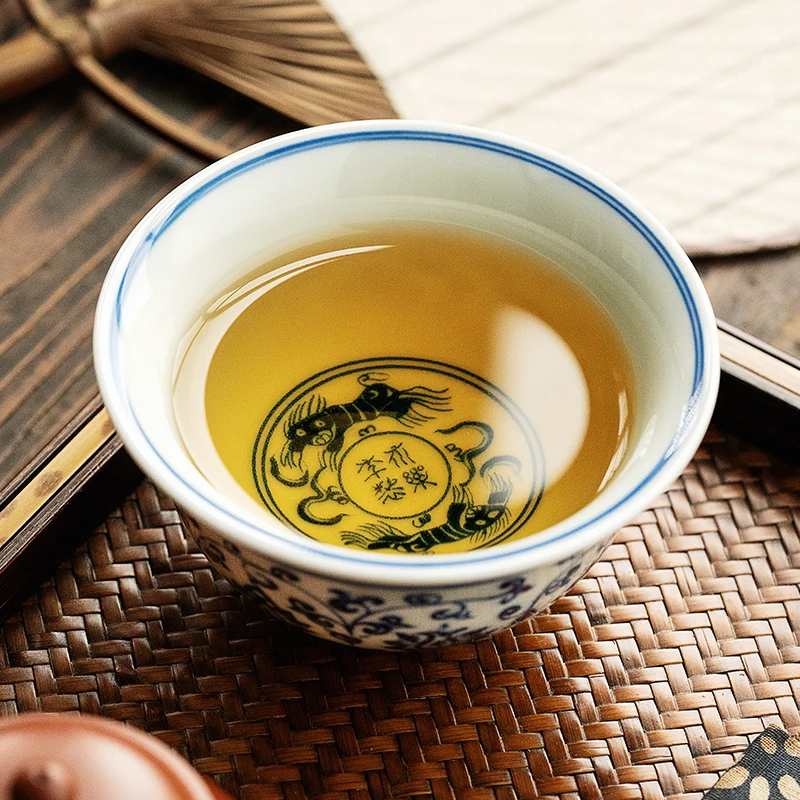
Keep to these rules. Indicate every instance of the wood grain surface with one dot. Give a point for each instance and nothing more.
(759, 294)
(76, 175)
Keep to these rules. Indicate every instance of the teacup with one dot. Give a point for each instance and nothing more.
(206, 234)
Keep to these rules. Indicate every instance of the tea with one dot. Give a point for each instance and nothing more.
(407, 388)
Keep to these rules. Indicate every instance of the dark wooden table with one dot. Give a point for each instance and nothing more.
(76, 174)
(759, 294)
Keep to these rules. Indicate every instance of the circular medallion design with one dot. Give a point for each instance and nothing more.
(399, 455)
(400, 461)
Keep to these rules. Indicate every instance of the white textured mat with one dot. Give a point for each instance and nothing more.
(691, 105)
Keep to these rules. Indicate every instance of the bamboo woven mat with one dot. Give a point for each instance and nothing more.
(647, 681)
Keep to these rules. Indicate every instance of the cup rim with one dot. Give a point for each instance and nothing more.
(552, 544)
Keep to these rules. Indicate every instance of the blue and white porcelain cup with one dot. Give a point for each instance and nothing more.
(206, 234)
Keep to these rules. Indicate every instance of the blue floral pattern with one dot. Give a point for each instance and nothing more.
(388, 618)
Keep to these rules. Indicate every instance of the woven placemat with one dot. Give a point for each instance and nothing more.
(691, 105)
(646, 681)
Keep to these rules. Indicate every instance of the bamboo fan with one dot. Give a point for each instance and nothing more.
(290, 55)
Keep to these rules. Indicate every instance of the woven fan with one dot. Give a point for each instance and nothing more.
(290, 55)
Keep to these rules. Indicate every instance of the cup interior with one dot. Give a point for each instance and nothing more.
(273, 197)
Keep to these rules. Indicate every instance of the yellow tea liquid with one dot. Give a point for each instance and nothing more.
(407, 389)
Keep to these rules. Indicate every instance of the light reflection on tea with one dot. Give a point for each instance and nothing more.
(407, 389)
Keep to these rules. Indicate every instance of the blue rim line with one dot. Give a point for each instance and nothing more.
(172, 215)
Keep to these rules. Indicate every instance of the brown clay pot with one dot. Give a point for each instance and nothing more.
(81, 757)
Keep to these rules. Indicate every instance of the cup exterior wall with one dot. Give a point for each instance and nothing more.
(379, 617)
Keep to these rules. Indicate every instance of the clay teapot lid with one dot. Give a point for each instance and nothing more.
(81, 757)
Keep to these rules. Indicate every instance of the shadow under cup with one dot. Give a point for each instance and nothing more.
(269, 199)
